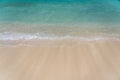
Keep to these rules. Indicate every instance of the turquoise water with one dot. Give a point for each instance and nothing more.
(60, 11)
(28, 19)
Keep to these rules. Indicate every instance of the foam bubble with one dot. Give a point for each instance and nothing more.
(42, 36)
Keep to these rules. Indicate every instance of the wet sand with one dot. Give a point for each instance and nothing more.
(97, 60)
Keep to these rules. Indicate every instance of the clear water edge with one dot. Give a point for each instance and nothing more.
(84, 21)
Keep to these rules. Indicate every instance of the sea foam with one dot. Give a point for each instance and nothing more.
(12, 36)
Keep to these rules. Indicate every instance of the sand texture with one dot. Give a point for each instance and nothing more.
(98, 60)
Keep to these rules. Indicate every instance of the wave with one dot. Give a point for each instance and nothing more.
(12, 36)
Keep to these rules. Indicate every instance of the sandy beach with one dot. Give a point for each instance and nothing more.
(59, 39)
(97, 60)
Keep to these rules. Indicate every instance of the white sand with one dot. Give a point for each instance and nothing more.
(98, 60)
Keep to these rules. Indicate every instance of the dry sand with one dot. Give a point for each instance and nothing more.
(98, 60)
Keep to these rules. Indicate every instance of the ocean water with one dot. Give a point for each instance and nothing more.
(59, 19)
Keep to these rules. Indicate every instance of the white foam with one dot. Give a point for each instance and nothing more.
(5, 36)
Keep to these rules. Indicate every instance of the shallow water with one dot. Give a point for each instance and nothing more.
(61, 12)
(59, 19)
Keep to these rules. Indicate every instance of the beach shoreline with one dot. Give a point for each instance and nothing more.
(59, 39)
